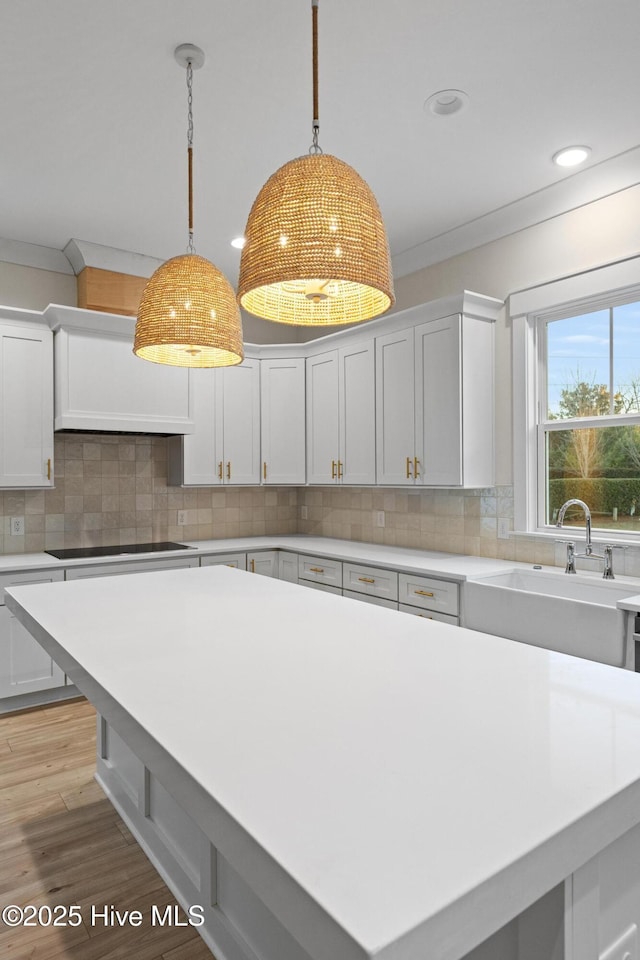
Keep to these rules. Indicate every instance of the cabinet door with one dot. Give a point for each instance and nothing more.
(26, 397)
(322, 418)
(357, 399)
(25, 667)
(241, 423)
(282, 413)
(264, 562)
(288, 566)
(395, 405)
(196, 459)
(439, 402)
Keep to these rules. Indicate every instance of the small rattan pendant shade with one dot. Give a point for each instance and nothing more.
(316, 250)
(188, 316)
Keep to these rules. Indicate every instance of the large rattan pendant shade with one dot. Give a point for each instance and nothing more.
(316, 249)
(188, 316)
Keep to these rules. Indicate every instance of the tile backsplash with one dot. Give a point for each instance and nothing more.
(113, 489)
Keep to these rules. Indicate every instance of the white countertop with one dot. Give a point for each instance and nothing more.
(428, 562)
(422, 783)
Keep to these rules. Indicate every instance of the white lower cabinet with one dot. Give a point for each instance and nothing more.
(323, 587)
(238, 560)
(429, 614)
(376, 601)
(428, 594)
(264, 562)
(320, 570)
(288, 566)
(135, 566)
(24, 665)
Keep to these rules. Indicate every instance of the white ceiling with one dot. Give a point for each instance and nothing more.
(93, 115)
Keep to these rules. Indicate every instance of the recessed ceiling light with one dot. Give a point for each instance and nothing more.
(238, 242)
(445, 102)
(571, 156)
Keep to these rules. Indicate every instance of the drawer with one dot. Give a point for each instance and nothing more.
(139, 566)
(19, 579)
(238, 560)
(370, 580)
(377, 601)
(429, 614)
(320, 570)
(325, 587)
(428, 592)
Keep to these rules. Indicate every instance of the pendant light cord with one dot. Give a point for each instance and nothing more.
(190, 246)
(315, 126)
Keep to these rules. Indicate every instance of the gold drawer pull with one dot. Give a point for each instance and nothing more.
(423, 593)
(228, 469)
(333, 470)
(220, 470)
(339, 469)
(316, 569)
(416, 464)
(408, 468)
(424, 615)
(366, 580)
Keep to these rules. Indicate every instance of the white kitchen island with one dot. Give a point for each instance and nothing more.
(336, 781)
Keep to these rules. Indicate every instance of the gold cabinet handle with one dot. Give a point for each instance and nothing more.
(425, 616)
(408, 468)
(220, 470)
(333, 470)
(416, 464)
(366, 579)
(228, 469)
(264, 470)
(423, 593)
(253, 566)
(316, 569)
(339, 469)
(49, 469)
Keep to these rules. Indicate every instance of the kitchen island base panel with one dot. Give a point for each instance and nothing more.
(238, 925)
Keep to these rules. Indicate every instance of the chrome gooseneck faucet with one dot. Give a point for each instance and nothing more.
(588, 550)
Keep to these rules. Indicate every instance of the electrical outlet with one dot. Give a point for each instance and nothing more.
(17, 526)
(504, 525)
(182, 518)
(625, 947)
(304, 512)
(380, 518)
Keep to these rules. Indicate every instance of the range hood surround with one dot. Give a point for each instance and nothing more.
(100, 386)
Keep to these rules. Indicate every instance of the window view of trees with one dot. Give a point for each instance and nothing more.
(599, 464)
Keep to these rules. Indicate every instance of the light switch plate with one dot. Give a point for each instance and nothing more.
(182, 518)
(625, 947)
(504, 525)
(379, 518)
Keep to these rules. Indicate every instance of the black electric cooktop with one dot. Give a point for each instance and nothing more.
(77, 553)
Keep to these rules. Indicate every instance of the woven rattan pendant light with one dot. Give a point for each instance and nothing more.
(316, 250)
(188, 315)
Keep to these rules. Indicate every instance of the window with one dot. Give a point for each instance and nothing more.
(577, 402)
(589, 430)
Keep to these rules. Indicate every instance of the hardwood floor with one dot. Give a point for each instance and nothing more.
(61, 842)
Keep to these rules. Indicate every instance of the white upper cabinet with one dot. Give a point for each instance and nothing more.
(434, 399)
(26, 399)
(341, 415)
(282, 412)
(101, 385)
(225, 448)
